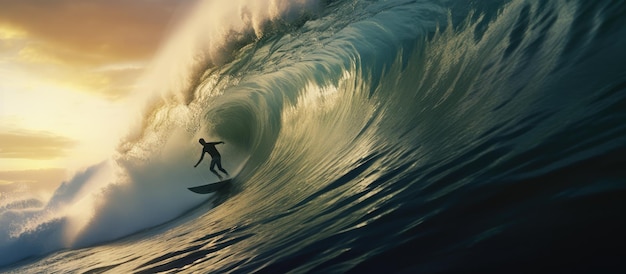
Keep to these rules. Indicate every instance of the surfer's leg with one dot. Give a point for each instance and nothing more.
(212, 168)
(219, 166)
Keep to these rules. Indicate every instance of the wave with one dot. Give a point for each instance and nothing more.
(144, 183)
(339, 114)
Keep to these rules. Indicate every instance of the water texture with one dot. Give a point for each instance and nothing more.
(367, 136)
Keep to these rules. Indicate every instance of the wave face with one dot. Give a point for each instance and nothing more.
(385, 136)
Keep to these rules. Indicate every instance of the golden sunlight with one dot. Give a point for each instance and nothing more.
(67, 71)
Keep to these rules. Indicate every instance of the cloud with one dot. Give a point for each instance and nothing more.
(11, 40)
(101, 30)
(70, 42)
(33, 145)
(8, 32)
(112, 81)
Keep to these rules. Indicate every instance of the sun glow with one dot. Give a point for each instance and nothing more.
(68, 82)
(10, 32)
(44, 109)
(42, 102)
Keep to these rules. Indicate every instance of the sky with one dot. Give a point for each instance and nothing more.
(67, 71)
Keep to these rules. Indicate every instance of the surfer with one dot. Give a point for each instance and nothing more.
(216, 158)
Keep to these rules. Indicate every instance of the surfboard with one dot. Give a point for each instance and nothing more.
(210, 188)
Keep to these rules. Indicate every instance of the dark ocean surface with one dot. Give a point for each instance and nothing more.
(366, 137)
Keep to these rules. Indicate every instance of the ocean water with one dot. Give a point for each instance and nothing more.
(423, 136)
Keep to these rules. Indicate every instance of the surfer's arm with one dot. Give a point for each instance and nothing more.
(201, 157)
(216, 143)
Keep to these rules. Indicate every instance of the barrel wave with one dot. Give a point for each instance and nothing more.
(366, 136)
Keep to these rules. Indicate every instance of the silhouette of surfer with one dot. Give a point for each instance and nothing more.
(216, 158)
